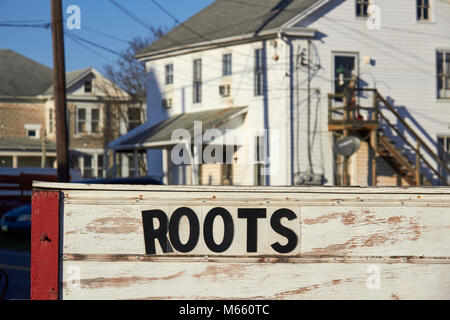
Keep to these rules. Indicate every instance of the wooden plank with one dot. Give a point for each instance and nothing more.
(45, 245)
(220, 189)
(376, 231)
(191, 280)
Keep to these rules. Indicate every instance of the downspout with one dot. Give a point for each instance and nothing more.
(266, 114)
(311, 170)
(290, 73)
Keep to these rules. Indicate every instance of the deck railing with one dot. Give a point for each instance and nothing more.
(350, 112)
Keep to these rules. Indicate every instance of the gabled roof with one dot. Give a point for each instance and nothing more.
(229, 18)
(21, 76)
(71, 78)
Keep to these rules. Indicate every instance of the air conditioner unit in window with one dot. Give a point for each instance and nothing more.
(225, 90)
(167, 103)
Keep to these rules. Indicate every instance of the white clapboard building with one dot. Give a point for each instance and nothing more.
(271, 75)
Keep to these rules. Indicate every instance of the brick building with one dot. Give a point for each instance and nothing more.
(97, 113)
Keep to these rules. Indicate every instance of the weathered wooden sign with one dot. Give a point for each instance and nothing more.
(157, 242)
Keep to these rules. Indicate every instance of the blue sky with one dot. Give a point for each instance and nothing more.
(98, 15)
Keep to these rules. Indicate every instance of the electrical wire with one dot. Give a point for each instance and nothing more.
(131, 15)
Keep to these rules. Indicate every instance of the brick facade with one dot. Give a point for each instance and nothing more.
(14, 116)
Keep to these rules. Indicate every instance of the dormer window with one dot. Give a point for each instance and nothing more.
(362, 7)
(88, 86)
(423, 10)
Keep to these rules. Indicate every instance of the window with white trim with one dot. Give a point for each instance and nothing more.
(91, 165)
(423, 10)
(88, 120)
(259, 72)
(134, 117)
(227, 65)
(95, 120)
(87, 86)
(197, 81)
(362, 8)
(169, 74)
(443, 74)
(100, 165)
(51, 118)
(81, 120)
(33, 131)
(88, 166)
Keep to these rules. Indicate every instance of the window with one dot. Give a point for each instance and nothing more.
(197, 81)
(88, 169)
(259, 72)
(131, 171)
(32, 130)
(95, 120)
(227, 65)
(134, 117)
(88, 120)
(345, 69)
(50, 121)
(81, 120)
(100, 166)
(444, 153)
(169, 74)
(259, 161)
(443, 74)
(31, 134)
(88, 86)
(362, 7)
(423, 10)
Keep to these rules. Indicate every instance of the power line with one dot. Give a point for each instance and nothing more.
(81, 44)
(41, 25)
(105, 35)
(131, 15)
(24, 21)
(96, 45)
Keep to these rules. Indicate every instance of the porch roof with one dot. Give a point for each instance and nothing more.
(27, 145)
(159, 136)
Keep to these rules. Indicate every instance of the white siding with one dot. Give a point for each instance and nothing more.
(404, 68)
(242, 94)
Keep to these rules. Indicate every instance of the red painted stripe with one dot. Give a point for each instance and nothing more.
(44, 245)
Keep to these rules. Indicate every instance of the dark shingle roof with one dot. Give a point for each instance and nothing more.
(228, 18)
(21, 76)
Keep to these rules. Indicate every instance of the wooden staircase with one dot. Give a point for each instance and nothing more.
(408, 155)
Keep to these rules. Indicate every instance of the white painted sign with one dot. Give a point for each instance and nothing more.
(157, 242)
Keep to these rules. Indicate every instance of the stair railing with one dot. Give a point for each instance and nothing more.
(349, 112)
(419, 146)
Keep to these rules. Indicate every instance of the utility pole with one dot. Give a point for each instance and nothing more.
(59, 86)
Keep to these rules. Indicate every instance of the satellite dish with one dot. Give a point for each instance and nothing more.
(347, 146)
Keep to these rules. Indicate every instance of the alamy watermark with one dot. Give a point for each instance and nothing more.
(373, 282)
(214, 146)
(73, 21)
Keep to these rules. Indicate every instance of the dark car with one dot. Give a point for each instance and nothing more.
(17, 221)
